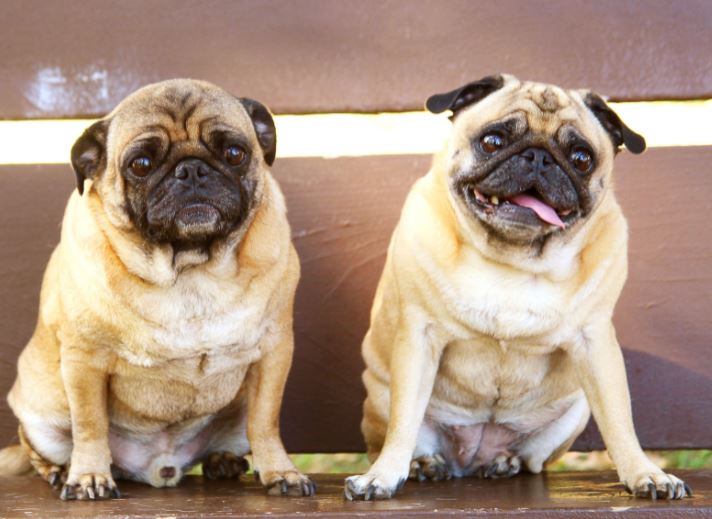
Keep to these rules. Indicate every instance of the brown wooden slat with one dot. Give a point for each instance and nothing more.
(555, 495)
(342, 213)
(315, 56)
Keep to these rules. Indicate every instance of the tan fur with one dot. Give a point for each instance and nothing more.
(14, 461)
(474, 338)
(152, 351)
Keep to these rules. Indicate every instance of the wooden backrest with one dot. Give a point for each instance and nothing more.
(311, 56)
(315, 56)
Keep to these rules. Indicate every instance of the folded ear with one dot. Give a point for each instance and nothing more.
(264, 127)
(619, 132)
(89, 153)
(464, 96)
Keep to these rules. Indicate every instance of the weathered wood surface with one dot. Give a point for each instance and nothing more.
(342, 213)
(555, 495)
(316, 56)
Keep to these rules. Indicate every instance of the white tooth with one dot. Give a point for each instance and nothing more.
(494, 200)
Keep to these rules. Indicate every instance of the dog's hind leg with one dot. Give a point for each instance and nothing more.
(228, 444)
(51, 472)
(555, 439)
(225, 465)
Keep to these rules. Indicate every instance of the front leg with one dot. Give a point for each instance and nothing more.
(266, 380)
(599, 363)
(414, 364)
(90, 467)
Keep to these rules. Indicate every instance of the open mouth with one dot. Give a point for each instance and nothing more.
(528, 207)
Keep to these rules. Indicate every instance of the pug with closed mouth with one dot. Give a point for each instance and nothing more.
(164, 335)
(491, 338)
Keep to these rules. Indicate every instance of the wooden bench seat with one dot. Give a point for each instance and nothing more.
(556, 494)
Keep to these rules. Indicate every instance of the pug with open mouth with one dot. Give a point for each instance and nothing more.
(491, 338)
(164, 336)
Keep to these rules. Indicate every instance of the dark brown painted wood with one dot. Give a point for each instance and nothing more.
(315, 56)
(555, 495)
(342, 213)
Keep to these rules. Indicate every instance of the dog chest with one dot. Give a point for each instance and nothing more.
(197, 318)
(235, 333)
(505, 305)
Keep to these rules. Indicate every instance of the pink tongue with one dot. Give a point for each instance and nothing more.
(542, 210)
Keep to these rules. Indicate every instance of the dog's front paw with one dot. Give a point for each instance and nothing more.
(287, 483)
(373, 485)
(89, 486)
(657, 485)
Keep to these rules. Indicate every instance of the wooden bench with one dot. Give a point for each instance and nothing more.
(311, 56)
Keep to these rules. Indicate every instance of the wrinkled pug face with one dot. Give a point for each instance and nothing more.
(181, 160)
(529, 160)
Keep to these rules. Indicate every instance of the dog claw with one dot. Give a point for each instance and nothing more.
(369, 493)
(652, 491)
(308, 488)
(688, 490)
(348, 494)
(54, 479)
(66, 494)
(669, 491)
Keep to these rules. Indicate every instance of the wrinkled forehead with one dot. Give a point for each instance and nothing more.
(544, 109)
(178, 111)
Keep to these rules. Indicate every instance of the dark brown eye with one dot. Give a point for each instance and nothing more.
(491, 142)
(581, 159)
(234, 155)
(141, 166)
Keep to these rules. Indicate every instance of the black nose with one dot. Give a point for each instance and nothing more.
(539, 158)
(190, 171)
(167, 472)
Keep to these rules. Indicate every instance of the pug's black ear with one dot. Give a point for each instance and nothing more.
(89, 153)
(264, 127)
(464, 96)
(619, 132)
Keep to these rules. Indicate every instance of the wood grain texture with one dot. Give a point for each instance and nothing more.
(342, 213)
(315, 56)
(555, 495)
